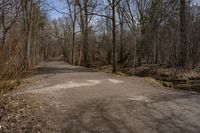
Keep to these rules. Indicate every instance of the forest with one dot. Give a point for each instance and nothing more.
(146, 38)
(123, 33)
(129, 32)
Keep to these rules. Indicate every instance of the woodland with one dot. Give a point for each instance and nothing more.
(101, 65)
(138, 37)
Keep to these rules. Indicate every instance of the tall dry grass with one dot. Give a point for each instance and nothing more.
(10, 69)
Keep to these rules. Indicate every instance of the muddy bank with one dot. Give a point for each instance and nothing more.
(172, 77)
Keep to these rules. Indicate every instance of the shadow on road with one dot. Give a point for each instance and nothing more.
(125, 116)
(53, 70)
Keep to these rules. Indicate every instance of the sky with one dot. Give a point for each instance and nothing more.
(58, 5)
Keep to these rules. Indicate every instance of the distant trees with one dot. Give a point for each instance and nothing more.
(8, 17)
(93, 32)
(34, 22)
(21, 33)
(85, 6)
(73, 14)
(133, 32)
(113, 5)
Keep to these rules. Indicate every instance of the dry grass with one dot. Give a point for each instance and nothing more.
(106, 68)
(16, 113)
(153, 81)
(158, 72)
(8, 85)
(121, 71)
(10, 71)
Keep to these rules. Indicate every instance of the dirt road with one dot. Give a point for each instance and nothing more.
(79, 100)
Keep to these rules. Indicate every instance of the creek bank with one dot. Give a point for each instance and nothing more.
(172, 77)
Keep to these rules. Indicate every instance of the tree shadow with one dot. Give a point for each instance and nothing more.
(125, 116)
(53, 70)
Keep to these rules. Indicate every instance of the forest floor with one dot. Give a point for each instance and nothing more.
(64, 98)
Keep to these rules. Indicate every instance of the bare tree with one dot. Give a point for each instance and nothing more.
(8, 22)
(183, 35)
(73, 14)
(113, 4)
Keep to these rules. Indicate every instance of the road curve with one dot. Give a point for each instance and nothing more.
(79, 100)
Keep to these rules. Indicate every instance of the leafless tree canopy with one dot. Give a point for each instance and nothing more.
(100, 32)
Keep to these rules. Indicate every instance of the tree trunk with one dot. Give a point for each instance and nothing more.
(80, 54)
(114, 37)
(121, 19)
(86, 60)
(73, 45)
(183, 35)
